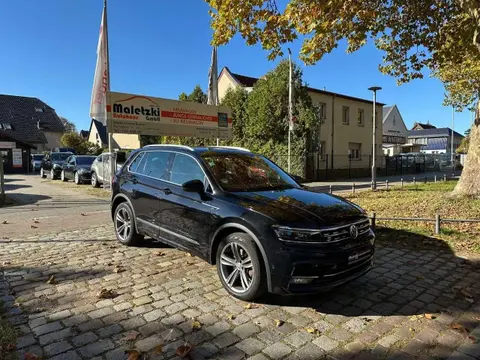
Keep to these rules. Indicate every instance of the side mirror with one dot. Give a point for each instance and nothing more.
(194, 186)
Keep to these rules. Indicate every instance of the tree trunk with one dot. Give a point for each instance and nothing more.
(469, 183)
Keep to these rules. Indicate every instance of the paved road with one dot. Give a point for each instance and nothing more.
(54, 207)
(160, 292)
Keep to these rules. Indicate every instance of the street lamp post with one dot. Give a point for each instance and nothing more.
(452, 155)
(374, 89)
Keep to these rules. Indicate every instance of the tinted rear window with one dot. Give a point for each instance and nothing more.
(87, 160)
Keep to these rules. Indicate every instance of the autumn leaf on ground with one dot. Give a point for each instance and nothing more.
(250, 306)
(184, 350)
(131, 336)
(52, 280)
(35, 221)
(133, 355)
(30, 356)
(83, 214)
(6, 263)
(158, 349)
(118, 269)
(160, 253)
(5, 222)
(107, 294)
(34, 227)
(473, 339)
(197, 325)
(313, 331)
(466, 293)
(415, 317)
(231, 317)
(457, 326)
(188, 254)
(430, 316)
(279, 322)
(11, 347)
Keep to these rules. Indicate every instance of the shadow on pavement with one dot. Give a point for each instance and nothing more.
(24, 199)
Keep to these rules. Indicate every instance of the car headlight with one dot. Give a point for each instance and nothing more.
(286, 233)
(81, 171)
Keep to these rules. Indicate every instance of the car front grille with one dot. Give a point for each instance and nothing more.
(342, 233)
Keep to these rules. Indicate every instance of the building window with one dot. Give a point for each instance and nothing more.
(7, 126)
(37, 109)
(322, 110)
(345, 115)
(354, 151)
(360, 118)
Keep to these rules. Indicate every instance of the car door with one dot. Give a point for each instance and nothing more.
(146, 178)
(68, 166)
(188, 217)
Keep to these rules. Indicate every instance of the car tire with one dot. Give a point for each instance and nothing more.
(77, 179)
(62, 176)
(42, 174)
(94, 181)
(124, 224)
(249, 282)
(52, 175)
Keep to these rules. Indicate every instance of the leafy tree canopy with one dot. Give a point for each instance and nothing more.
(81, 146)
(440, 35)
(68, 125)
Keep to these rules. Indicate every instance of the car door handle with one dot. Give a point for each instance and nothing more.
(167, 191)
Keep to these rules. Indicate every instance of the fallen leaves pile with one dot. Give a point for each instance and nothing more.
(106, 294)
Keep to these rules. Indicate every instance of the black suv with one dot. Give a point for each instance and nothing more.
(240, 211)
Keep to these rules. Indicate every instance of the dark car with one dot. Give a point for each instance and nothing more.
(77, 168)
(36, 160)
(241, 212)
(52, 164)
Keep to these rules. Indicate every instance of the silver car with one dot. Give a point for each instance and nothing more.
(101, 166)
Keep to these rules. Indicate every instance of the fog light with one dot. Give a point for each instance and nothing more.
(302, 280)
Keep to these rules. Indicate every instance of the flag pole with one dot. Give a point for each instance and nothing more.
(290, 108)
(107, 56)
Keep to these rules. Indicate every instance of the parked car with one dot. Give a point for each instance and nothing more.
(52, 164)
(64, 149)
(241, 212)
(36, 161)
(77, 168)
(100, 167)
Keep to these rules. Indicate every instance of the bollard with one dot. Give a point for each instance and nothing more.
(425, 180)
(353, 188)
(330, 189)
(401, 181)
(386, 184)
(444, 177)
(373, 221)
(435, 178)
(437, 223)
(372, 186)
(414, 181)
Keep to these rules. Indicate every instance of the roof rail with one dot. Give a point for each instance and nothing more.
(171, 145)
(230, 147)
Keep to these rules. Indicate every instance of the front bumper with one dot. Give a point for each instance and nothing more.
(85, 176)
(304, 269)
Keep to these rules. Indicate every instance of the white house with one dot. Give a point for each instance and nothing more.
(395, 133)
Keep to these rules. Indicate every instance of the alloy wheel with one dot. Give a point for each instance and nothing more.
(77, 179)
(41, 172)
(236, 267)
(123, 224)
(52, 174)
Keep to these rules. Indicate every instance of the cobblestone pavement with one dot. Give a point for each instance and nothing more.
(161, 293)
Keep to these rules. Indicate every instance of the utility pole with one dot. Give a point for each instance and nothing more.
(374, 89)
(290, 109)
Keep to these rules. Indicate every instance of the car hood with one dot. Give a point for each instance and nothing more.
(85, 167)
(301, 208)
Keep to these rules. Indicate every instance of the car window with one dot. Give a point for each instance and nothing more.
(72, 160)
(134, 164)
(85, 160)
(185, 168)
(99, 158)
(155, 164)
(60, 156)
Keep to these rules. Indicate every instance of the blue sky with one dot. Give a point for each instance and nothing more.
(161, 48)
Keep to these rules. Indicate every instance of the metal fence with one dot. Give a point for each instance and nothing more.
(321, 167)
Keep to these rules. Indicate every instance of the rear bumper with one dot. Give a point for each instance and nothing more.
(311, 270)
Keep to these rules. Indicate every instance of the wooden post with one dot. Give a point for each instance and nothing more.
(373, 217)
(437, 223)
(444, 177)
(414, 181)
(330, 190)
(435, 178)
(425, 180)
(401, 181)
(386, 184)
(353, 188)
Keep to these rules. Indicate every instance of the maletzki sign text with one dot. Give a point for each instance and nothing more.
(145, 115)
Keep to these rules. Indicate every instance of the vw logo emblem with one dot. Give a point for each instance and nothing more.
(353, 232)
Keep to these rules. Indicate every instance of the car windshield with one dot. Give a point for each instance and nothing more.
(247, 172)
(60, 156)
(85, 160)
(38, 157)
